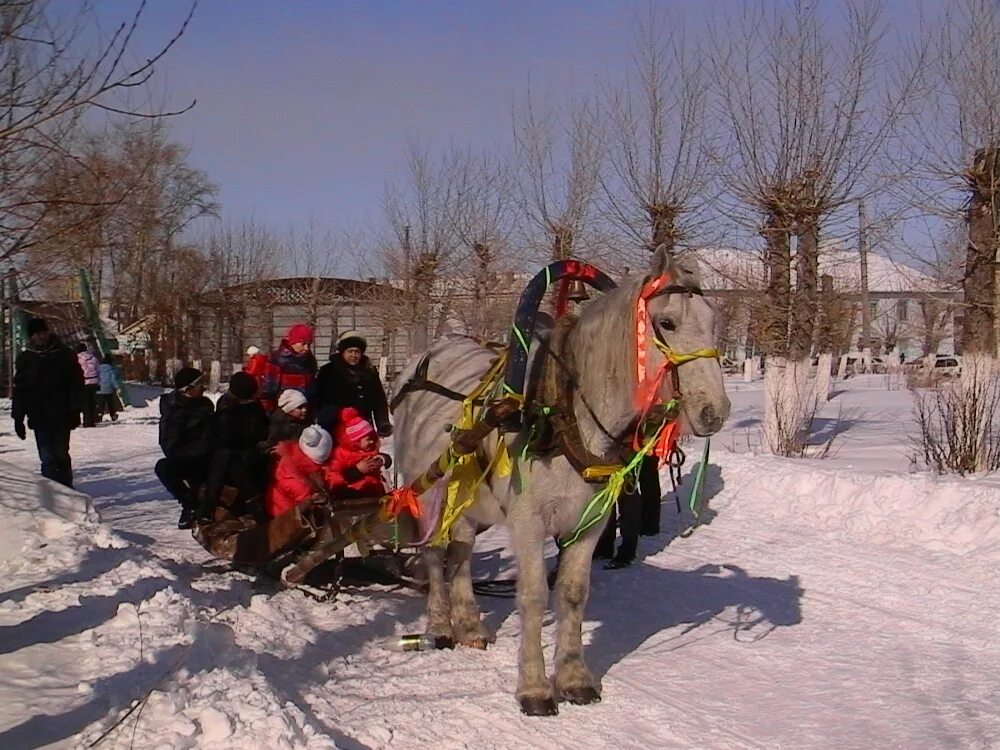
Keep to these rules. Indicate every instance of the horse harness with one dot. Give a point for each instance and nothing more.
(553, 428)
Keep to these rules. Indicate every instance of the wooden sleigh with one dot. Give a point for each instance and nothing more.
(301, 539)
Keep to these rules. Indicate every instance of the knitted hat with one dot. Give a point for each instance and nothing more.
(37, 325)
(351, 340)
(243, 386)
(186, 377)
(357, 428)
(290, 400)
(299, 333)
(252, 350)
(316, 443)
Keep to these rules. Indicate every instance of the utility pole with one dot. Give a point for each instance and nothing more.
(866, 322)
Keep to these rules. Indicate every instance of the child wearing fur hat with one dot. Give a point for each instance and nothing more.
(291, 365)
(299, 472)
(289, 419)
(355, 469)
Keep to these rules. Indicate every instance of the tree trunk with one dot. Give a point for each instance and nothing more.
(773, 326)
(663, 220)
(979, 283)
(424, 276)
(804, 307)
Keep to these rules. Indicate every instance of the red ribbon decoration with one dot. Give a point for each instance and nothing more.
(647, 392)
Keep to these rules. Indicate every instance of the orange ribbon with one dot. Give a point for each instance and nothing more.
(403, 499)
(647, 389)
(647, 392)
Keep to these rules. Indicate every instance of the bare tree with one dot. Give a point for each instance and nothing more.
(557, 166)
(808, 116)
(420, 247)
(660, 171)
(482, 218)
(51, 73)
(957, 142)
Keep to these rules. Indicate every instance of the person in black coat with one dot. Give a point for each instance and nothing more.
(349, 379)
(186, 440)
(49, 392)
(239, 460)
(637, 514)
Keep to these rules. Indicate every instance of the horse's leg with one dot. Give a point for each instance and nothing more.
(438, 606)
(534, 691)
(466, 623)
(573, 681)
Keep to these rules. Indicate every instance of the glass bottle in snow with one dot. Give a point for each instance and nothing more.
(417, 642)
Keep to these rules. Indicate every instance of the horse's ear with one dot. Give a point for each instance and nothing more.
(662, 263)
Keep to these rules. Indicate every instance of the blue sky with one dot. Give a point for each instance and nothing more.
(305, 108)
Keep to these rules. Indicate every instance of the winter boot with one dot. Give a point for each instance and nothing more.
(186, 521)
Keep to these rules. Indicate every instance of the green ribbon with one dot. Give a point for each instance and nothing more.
(695, 500)
(600, 504)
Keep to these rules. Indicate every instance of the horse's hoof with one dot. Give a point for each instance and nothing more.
(581, 696)
(478, 643)
(444, 642)
(539, 706)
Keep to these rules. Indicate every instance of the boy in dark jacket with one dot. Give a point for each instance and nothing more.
(289, 419)
(241, 431)
(48, 391)
(186, 441)
(349, 379)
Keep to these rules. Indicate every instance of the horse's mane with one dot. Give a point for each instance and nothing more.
(603, 344)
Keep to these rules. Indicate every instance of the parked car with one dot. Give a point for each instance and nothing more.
(949, 365)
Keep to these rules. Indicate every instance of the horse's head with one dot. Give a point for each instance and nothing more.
(683, 322)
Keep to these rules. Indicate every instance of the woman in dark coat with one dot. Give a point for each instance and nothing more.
(349, 379)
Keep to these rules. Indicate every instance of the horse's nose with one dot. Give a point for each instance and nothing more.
(710, 421)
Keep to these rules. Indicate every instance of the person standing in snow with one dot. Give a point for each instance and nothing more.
(48, 392)
(349, 379)
(637, 513)
(186, 440)
(239, 437)
(107, 385)
(291, 365)
(88, 364)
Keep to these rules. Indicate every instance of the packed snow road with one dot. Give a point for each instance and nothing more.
(818, 608)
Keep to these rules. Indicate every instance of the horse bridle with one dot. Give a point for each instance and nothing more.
(658, 414)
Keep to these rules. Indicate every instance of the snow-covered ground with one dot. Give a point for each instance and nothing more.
(838, 603)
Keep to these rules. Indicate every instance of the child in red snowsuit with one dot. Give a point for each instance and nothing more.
(299, 473)
(355, 468)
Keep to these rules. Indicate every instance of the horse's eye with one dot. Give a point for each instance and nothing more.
(666, 324)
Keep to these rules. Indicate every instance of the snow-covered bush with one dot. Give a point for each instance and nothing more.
(959, 421)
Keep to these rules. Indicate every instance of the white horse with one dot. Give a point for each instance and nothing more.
(544, 498)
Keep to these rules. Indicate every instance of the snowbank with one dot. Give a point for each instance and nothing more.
(35, 513)
(951, 514)
(93, 627)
